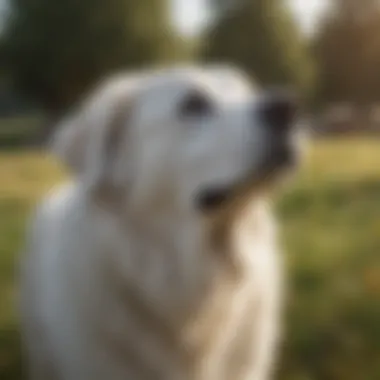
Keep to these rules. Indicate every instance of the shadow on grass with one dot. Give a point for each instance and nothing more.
(10, 354)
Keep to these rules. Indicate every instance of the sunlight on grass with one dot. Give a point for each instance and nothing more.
(27, 175)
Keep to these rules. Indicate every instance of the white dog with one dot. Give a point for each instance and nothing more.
(158, 262)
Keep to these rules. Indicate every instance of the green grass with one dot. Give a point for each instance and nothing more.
(24, 178)
(331, 231)
(19, 131)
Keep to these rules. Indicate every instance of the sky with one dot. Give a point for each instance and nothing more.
(191, 15)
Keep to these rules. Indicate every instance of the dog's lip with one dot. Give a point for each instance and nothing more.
(213, 198)
(285, 159)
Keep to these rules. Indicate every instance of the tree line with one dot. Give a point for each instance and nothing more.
(55, 51)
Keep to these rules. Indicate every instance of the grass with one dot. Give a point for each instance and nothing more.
(19, 131)
(331, 231)
(25, 176)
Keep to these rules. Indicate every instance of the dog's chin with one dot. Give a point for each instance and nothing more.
(277, 170)
(213, 199)
(270, 175)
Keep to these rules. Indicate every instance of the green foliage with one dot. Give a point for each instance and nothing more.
(262, 38)
(347, 50)
(56, 50)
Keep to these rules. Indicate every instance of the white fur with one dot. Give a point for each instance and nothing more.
(123, 278)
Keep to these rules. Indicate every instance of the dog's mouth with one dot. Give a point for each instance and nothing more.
(277, 160)
(213, 199)
(272, 169)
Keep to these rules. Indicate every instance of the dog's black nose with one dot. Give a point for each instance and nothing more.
(279, 110)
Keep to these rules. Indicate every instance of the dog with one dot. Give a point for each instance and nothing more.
(159, 259)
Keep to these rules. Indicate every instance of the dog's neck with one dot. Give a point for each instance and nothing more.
(181, 273)
(169, 224)
(183, 251)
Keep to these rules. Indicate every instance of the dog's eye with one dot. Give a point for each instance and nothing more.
(195, 105)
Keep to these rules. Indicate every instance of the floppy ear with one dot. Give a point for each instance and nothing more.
(68, 143)
(89, 141)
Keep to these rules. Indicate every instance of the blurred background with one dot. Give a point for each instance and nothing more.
(52, 52)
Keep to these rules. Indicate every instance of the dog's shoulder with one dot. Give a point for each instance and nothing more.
(51, 217)
(54, 206)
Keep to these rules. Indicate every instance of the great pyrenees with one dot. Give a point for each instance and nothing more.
(158, 261)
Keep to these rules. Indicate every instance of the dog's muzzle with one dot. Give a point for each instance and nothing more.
(278, 114)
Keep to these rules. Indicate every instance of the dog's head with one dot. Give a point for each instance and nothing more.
(183, 137)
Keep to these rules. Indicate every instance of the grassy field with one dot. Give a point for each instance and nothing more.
(19, 131)
(331, 229)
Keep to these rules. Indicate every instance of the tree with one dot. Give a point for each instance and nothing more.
(262, 38)
(56, 49)
(347, 51)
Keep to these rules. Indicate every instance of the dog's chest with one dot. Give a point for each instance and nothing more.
(215, 338)
(169, 329)
(164, 315)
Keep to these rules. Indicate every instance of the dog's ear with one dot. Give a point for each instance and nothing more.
(69, 141)
(90, 140)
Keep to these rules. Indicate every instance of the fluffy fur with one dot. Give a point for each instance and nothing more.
(124, 276)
